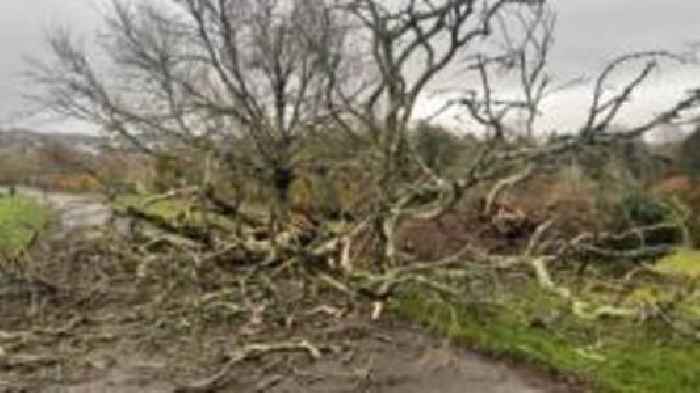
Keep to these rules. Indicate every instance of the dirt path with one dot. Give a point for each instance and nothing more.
(75, 210)
(392, 357)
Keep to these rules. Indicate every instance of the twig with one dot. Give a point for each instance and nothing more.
(248, 352)
(27, 362)
(503, 184)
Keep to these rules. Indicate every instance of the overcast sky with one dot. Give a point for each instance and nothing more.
(590, 32)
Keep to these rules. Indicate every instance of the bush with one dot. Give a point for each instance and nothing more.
(689, 158)
(438, 148)
(642, 209)
(582, 204)
(638, 208)
(687, 192)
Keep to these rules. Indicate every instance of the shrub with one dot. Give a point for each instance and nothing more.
(583, 204)
(571, 199)
(638, 208)
(169, 173)
(687, 192)
(689, 158)
(438, 148)
(642, 209)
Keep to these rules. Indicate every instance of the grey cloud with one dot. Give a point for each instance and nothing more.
(589, 33)
(593, 31)
(22, 27)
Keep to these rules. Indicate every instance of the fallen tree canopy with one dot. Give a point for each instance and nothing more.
(250, 113)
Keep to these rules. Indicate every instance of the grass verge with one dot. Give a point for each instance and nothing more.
(20, 218)
(615, 356)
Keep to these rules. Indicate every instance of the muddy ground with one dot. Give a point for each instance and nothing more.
(83, 323)
(389, 358)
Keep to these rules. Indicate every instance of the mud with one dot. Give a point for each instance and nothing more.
(391, 358)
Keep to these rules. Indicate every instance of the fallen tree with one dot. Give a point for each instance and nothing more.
(241, 94)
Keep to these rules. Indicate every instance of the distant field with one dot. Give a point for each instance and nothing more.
(20, 217)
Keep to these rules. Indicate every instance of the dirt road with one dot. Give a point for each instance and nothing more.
(395, 359)
(75, 211)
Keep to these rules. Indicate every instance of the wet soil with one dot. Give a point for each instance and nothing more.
(393, 358)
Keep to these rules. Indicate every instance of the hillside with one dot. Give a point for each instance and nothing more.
(24, 140)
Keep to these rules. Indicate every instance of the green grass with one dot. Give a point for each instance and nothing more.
(180, 210)
(168, 208)
(20, 218)
(683, 263)
(614, 356)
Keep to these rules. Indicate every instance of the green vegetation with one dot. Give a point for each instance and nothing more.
(684, 263)
(168, 209)
(20, 218)
(177, 211)
(615, 356)
(688, 157)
